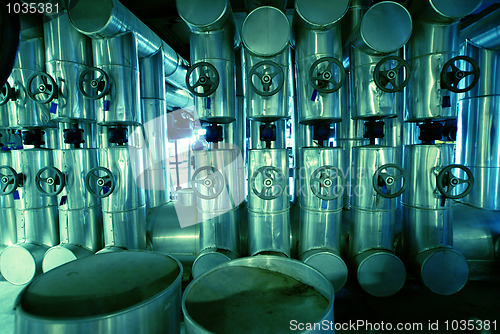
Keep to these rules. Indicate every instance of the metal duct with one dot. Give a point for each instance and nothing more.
(110, 18)
(484, 32)
(211, 77)
(177, 97)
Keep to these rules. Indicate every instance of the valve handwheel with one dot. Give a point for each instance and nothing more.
(322, 182)
(50, 181)
(268, 182)
(206, 76)
(6, 94)
(385, 77)
(446, 181)
(263, 74)
(207, 182)
(451, 75)
(386, 182)
(93, 83)
(322, 75)
(9, 180)
(100, 182)
(41, 88)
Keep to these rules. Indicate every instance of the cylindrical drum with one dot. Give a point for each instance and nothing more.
(319, 244)
(431, 47)
(24, 112)
(117, 57)
(146, 290)
(267, 294)
(218, 180)
(423, 164)
(318, 46)
(377, 38)
(68, 54)
(268, 189)
(321, 178)
(269, 233)
(377, 180)
(266, 35)
(8, 229)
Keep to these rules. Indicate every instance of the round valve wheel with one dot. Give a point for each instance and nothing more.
(41, 88)
(452, 77)
(93, 83)
(386, 183)
(263, 79)
(100, 182)
(50, 181)
(446, 181)
(207, 182)
(327, 75)
(9, 180)
(202, 79)
(327, 183)
(268, 182)
(389, 72)
(6, 94)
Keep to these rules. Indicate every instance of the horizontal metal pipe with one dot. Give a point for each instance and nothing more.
(177, 97)
(484, 32)
(113, 18)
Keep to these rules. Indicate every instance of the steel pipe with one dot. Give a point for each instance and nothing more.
(485, 31)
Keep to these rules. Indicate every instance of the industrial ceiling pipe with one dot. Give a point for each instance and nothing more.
(485, 31)
(113, 18)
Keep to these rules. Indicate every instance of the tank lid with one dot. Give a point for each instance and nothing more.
(455, 9)
(100, 284)
(386, 27)
(266, 31)
(201, 13)
(321, 13)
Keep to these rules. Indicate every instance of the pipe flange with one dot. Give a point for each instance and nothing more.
(9, 180)
(41, 88)
(452, 75)
(93, 83)
(327, 182)
(99, 185)
(327, 75)
(386, 184)
(446, 181)
(207, 182)
(206, 76)
(268, 182)
(263, 74)
(50, 181)
(389, 72)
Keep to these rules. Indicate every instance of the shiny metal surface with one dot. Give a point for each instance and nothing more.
(426, 229)
(321, 178)
(177, 98)
(117, 56)
(269, 233)
(377, 38)
(20, 263)
(39, 226)
(319, 231)
(221, 233)
(24, 112)
(447, 264)
(368, 100)
(423, 163)
(202, 16)
(155, 304)
(277, 158)
(489, 63)
(62, 254)
(349, 168)
(266, 32)
(367, 160)
(443, 10)
(203, 287)
(112, 19)
(127, 194)
(82, 227)
(320, 14)
(8, 230)
(371, 230)
(125, 229)
(75, 164)
(380, 273)
(484, 32)
(330, 264)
